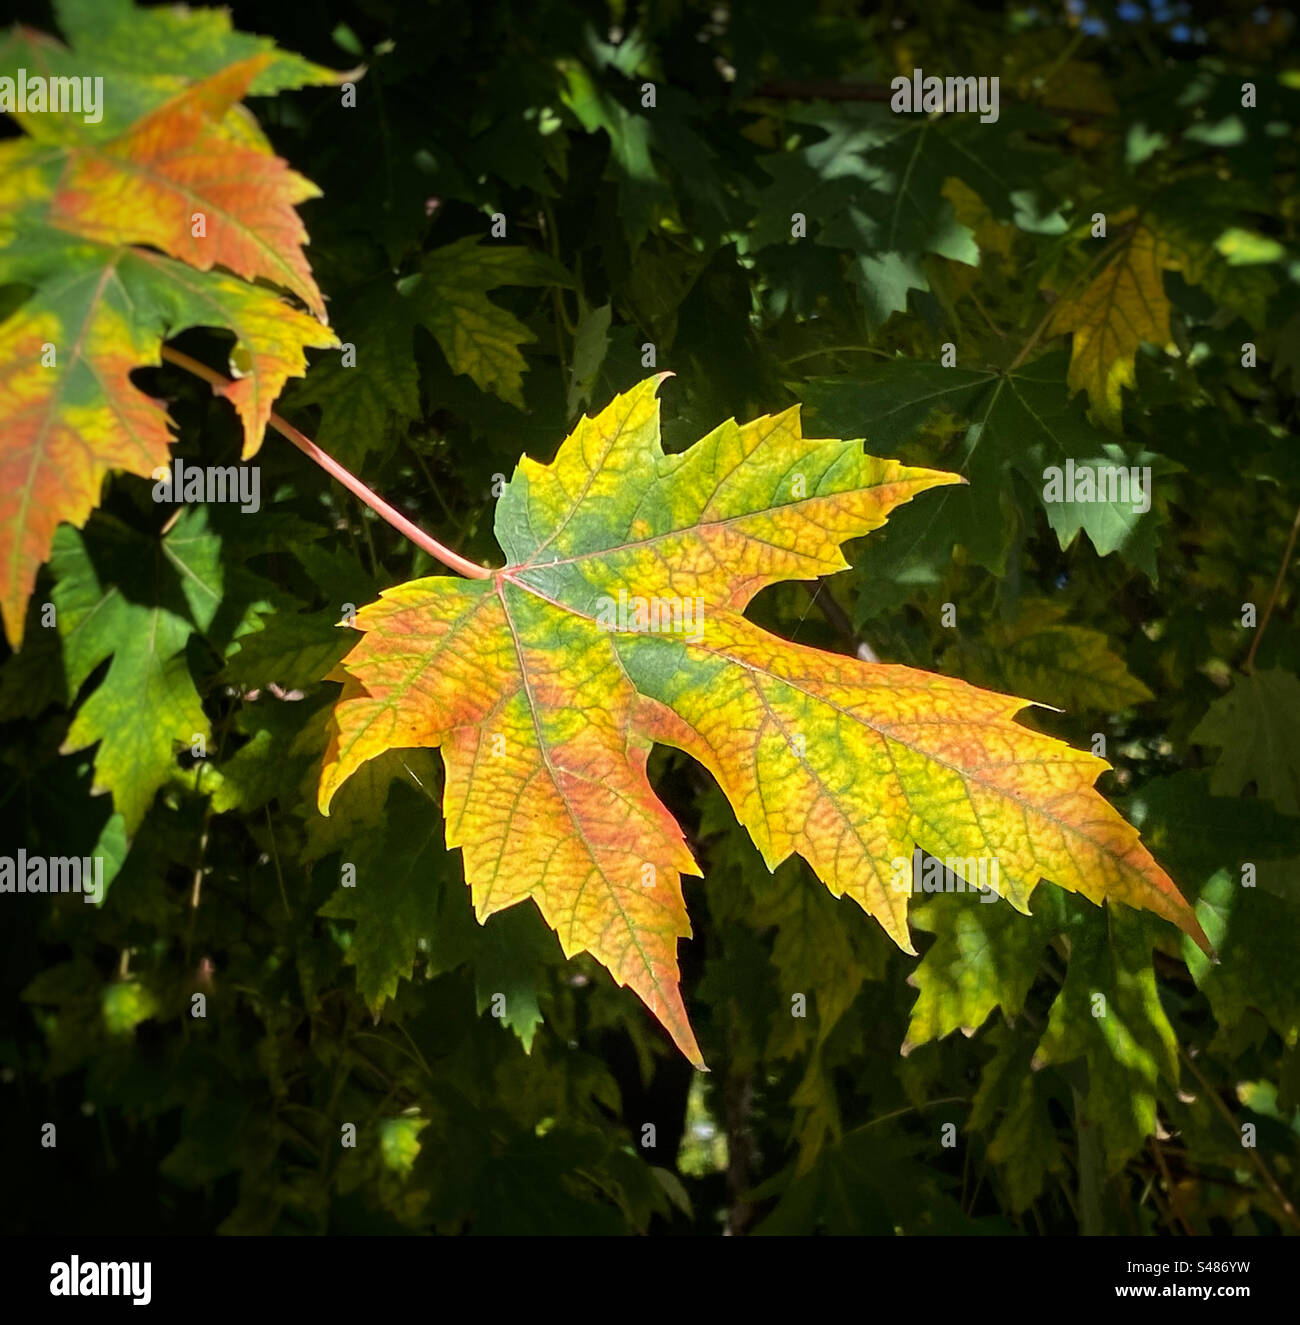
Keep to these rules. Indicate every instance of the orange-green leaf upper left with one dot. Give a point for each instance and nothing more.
(167, 158)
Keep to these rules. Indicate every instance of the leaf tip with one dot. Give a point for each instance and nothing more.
(1186, 919)
(1202, 941)
(1051, 708)
(325, 794)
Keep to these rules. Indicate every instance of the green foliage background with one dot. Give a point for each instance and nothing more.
(670, 225)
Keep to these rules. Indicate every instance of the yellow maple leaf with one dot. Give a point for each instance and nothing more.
(545, 701)
(1124, 305)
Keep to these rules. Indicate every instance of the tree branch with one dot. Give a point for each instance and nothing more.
(830, 89)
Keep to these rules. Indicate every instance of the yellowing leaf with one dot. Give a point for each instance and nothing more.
(478, 337)
(545, 690)
(1124, 305)
(125, 1004)
(147, 57)
(173, 163)
(63, 430)
(70, 412)
(1041, 657)
(198, 184)
(992, 235)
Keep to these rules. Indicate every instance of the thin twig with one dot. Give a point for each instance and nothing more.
(1174, 1204)
(837, 349)
(370, 545)
(821, 89)
(839, 620)
(428, 477)
(275, 856)
(1249, 665)
(830, 89)
(911, 1108)
(1269, 1180)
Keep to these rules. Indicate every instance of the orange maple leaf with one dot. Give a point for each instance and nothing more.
(193, 176)
(618, 623)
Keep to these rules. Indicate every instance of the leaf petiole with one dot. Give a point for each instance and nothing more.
(452, 560)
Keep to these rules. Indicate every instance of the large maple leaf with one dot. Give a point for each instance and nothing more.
(169, 160)
(545, 691)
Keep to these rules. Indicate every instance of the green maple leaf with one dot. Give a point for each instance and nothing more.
(394, 897)
(985, 956)
(1021, 422)
(1251, 914)
(1108, 1013)
(1042, 657)
(509, 956)
(293, 650)
(1257, 726)
(137, 600)
(1256, 968)
(407, 903)
(812, 953)
(479, 338)
(871, 187)
(1011, 1107)
(273, 759)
